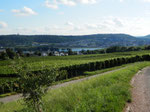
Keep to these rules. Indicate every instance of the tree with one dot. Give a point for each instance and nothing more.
(33, 85)
(50, 54)
(70, 52)
(88, 52)
(38, 53)
(28, 55)
(3, 56)
(83, 51)
(132, 48)
(11, 54)
(113, 49)
(20, 53)
(147, 47)
(123, 49)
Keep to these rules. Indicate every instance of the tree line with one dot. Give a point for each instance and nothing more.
(113, 49)
(10, 54)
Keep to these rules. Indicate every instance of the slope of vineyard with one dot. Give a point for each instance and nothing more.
(99, 94)
(68, 66)
(53, 61)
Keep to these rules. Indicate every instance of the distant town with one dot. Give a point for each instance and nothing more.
(12, 53)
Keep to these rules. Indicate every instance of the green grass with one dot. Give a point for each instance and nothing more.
(89, 73)
(7, 94)
(6, 79)
(107, 93)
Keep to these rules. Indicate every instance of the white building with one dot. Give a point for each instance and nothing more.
(44, 54)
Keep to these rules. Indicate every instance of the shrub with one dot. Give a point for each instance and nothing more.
(34, 85)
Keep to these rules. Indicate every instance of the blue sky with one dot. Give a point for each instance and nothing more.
(74, 17)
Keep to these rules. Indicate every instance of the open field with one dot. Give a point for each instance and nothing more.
(107, 93)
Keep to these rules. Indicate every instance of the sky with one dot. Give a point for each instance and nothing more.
(74, 17)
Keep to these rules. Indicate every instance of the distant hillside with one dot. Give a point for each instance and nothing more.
(97, 40)
(147, 36)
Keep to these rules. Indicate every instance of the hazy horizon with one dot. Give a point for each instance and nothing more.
(78, 34)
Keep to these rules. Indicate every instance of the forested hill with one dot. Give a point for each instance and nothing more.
(96, 40)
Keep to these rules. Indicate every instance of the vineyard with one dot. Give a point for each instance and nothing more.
(103, 93)
(68, 66)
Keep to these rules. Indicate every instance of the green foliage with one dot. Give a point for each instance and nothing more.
(123, 49)
(1, 104)
(7, 94)
(4, 56)
(34, 85)
(70, 52)
(10, 53)
(38, 53)
(88, 73)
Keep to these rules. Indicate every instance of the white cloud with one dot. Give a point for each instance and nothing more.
(88, 1)
(121, 0)
(118, 22)
(79, 28)
(146, 0)
(133, 26)
(91, 26)
(69, 23)
(54, 4)
(67, 2)
(129, 25)
(24, 12)
(3, 25)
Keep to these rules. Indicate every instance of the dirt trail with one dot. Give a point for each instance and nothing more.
(140, 92)
(18, 96)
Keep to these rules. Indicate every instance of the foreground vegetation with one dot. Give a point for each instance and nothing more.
(107, 93)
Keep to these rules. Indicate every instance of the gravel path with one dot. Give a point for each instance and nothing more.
(140, 92)
(18, 96)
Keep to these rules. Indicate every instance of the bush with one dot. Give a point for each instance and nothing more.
(34, 85)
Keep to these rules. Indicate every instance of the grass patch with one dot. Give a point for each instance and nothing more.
(7, 94)
(88, 73)
(107, 93)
